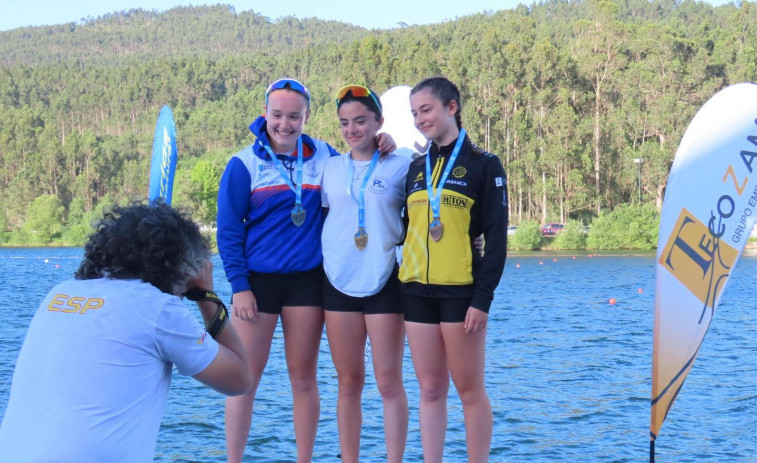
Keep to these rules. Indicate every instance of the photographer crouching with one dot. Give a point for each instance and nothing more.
(93, 374)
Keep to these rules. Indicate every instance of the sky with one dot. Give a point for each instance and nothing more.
(377, 14)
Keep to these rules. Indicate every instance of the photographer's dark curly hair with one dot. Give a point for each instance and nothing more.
(158, 245)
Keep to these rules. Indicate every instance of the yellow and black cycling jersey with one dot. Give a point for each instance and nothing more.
(473, 201)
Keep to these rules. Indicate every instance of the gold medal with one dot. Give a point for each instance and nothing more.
(361, 238)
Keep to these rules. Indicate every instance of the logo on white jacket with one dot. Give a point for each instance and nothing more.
(379, 185)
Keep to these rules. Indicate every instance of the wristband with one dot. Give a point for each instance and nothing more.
(221, 316)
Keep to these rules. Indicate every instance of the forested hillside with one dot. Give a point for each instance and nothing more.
(568, 93)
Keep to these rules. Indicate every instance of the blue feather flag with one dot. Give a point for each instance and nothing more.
(164, 156)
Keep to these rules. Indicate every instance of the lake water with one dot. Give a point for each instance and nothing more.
(568, 373)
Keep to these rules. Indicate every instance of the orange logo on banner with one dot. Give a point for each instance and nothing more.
(700, 261)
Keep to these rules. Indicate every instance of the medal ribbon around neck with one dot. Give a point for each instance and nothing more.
(298, 212)
(435, 199)
(361, 237)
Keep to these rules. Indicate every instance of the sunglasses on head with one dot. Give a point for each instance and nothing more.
(290, 84)
(357, 91)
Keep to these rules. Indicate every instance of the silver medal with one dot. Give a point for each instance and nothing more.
(298, 215)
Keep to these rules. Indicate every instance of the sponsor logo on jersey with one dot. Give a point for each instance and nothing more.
(459, 172)
(454, 201)
(274, 181)
(423, 202)
(499, 181)
(418, 177)
(264, 174)
(456, 182)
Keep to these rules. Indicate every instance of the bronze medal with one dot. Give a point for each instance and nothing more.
(436, 229)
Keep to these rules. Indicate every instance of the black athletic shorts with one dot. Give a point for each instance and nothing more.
(275, 290)
(434, 310)
(388, 300)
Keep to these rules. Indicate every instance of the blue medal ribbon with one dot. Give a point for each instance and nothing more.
(360, 200)
(435, 199)
(298, 212)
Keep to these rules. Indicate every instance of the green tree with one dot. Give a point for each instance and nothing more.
(4, 229)
(44, 220)
(77, 227)
(571, 237)
(600, 57)
(205, 178)
(527, 237)
(627, 227)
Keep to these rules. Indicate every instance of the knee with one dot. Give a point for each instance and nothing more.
(303, 384)
(433, 391)
(390, 388)
(351, 384)
(472, 395)
(255, 377)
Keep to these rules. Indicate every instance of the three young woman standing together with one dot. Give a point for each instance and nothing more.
(270, 230)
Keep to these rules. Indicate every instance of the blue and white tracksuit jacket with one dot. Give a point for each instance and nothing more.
(255, 229)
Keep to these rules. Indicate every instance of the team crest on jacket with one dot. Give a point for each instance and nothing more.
(418, 177)
(312, 168)
(379, 185)
(459, 172)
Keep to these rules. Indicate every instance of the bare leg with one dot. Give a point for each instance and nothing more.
(256, 337)
(387, 334)
(466, 358)
(346, 334)
(303, 326)
(429, 360)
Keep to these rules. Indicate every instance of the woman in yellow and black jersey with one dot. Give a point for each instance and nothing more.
(454, 193)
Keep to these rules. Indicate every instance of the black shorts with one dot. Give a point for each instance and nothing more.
(420, 309)
(275, 290)
(388, 300)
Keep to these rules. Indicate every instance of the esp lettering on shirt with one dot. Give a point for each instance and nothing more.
(67, 304)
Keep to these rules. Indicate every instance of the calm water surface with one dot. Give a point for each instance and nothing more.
(568, 373)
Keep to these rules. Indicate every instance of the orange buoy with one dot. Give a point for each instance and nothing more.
(612, 301)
